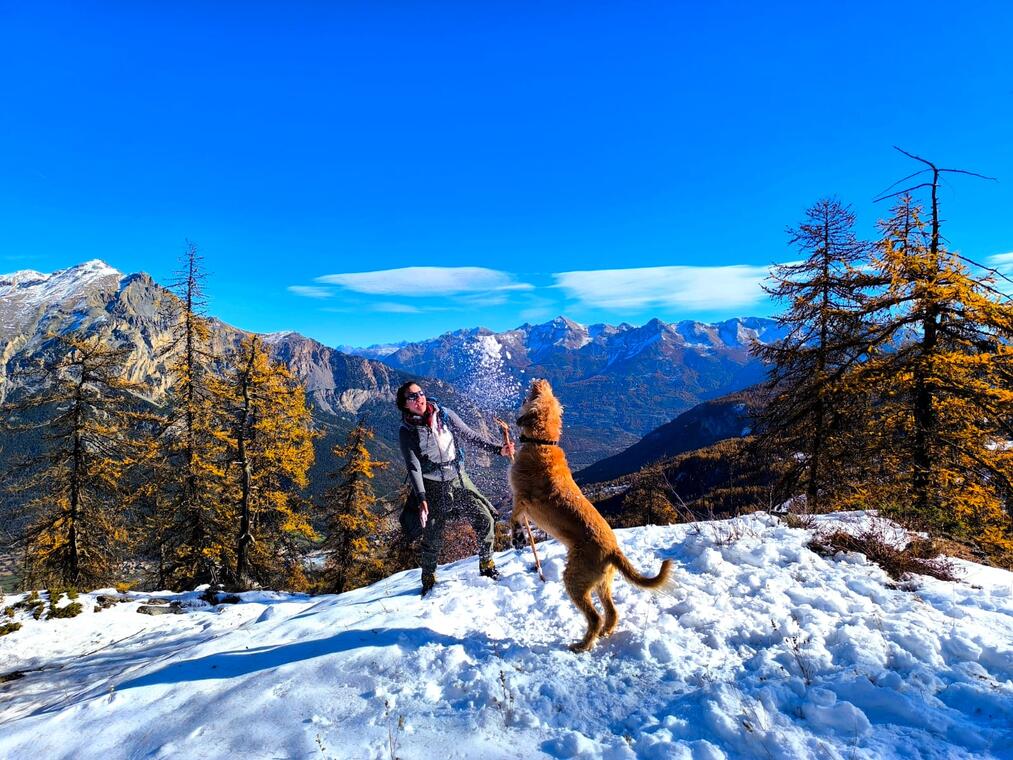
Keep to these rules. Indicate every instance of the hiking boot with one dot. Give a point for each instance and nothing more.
(488, 569)
(428, 581)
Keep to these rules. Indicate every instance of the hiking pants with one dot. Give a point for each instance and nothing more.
(452, 498)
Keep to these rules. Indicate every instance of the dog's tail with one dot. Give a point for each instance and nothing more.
(623, 565)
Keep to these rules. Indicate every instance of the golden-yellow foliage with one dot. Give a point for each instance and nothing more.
(77, 532)
(270, 442)
(355, 555)
(937, 435)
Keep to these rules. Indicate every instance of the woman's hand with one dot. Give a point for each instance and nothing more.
(424, 512)
(507, 450)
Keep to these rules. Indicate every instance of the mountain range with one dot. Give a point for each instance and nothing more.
(618, 383)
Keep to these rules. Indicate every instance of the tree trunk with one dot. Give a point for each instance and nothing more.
(245, 537)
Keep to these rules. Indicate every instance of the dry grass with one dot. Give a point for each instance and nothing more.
(919, 557)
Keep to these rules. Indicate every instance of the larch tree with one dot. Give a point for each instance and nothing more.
(942, 418)
(271, 438)
(805, 422)
(194, 513)
(353, 524)
(76, 532)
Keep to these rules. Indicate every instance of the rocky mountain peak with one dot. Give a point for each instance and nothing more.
(558, 332)
(87, 271)
(26, 294)
(22, 278)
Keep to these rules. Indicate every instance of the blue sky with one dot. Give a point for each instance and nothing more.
(609, 161)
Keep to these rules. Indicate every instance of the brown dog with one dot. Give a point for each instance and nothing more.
(544, 490)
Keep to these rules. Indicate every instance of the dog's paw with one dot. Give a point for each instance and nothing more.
(518, 540)
(581, 646)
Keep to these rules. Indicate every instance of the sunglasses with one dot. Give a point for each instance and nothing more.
(415, 396)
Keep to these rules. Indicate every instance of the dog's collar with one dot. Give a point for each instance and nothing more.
(539, 441)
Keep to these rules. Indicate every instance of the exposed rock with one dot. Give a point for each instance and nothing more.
(105, 601)
(153, 609)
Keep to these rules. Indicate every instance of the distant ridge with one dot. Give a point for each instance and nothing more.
(617, 382)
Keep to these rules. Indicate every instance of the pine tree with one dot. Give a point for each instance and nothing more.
(353, 523)
(807, 419)
(940, 427)
(194, 514)
(77, 529)
(271, 438)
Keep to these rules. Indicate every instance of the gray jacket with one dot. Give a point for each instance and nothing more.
(421, 467)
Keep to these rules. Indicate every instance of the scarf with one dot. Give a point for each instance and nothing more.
(424, 419)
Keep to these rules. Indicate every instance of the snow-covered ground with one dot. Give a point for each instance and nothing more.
(763, 649)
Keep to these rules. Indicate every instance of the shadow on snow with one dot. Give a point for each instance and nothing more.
(245, 662)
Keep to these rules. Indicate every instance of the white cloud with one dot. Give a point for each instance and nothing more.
(478, 300)
(1002, 261)
(426, 281)
(310, 291)
(678, 286)
(396, 308)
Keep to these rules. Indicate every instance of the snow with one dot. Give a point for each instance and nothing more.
(558, 332)
(375, 351)
(761, 649)
(25, 293)
(274, 338)
(36, 287)
(485, 378)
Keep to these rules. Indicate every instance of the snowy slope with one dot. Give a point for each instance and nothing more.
(24, 294)
(716, 668)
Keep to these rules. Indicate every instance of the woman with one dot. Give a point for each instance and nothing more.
(432, 454)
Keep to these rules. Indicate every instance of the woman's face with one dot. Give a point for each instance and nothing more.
(415, 401)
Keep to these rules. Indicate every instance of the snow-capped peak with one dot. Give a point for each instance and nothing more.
(88, 271)
(276, 337)
(25, 292)
(559, 332)
(22, 278)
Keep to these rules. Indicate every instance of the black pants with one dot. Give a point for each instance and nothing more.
(449, 498)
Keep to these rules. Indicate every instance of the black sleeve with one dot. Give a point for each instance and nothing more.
(411, 460)
(472, 435)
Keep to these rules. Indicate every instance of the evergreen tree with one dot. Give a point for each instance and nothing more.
(353, 523)
(194, 516)
(941, 424)
(271, 439)
(76, 533)
(810, 409)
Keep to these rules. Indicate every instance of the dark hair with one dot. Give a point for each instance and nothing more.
(402, 393)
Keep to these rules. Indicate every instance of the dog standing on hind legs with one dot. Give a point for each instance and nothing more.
(544, 491)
